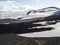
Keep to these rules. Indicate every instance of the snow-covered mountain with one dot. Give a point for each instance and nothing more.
(44, 10)
(50, 9)
(52, 33)
(30, 13)
(50, 13)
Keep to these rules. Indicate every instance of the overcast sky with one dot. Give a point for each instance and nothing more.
(19, 4)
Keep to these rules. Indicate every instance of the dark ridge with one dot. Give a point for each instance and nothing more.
(52, 17)
(21, 28)
(53, 7)
(33, 11)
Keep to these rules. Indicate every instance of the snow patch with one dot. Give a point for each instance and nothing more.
(52, 33)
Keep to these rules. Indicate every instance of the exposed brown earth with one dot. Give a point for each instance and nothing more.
(12, 39)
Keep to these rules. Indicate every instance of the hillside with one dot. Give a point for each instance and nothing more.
(12, 39)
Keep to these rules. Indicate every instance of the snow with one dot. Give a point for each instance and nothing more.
(43, 14)
(52, 33)
(12, 15)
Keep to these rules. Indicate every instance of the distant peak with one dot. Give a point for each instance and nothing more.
(53, 7)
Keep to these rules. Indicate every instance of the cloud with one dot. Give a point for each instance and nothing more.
(13, 6)
(6, 0)
(37, 0)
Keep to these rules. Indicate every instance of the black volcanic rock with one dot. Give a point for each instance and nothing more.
(57, 13)
(31, 11)
(21, 28)
(55, 16)
(53, 7)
